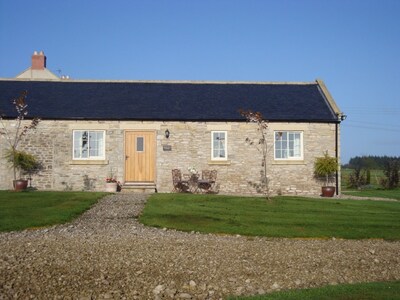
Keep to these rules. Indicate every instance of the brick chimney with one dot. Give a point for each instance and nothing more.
(38, 61)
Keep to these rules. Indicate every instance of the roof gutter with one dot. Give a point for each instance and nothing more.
(175, 120)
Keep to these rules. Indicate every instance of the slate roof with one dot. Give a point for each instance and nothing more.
(183, 101)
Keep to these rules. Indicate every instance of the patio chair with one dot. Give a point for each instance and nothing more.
(180, 185)
(207, 182)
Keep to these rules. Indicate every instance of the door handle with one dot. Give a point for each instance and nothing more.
(126, 157)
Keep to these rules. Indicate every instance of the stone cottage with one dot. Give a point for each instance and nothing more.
(140, 130)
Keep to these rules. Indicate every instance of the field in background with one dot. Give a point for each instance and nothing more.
(376, 175)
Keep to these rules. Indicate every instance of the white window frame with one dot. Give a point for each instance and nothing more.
(226, 145)
(102, 157)
(301, 157)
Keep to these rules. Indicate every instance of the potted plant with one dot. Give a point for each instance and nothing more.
(326, 166)
(21, 161)
(111, 184)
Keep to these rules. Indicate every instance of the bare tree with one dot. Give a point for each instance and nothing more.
(15, 135)
(261, 146)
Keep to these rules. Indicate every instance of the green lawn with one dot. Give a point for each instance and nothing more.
(362, 291)
(281, 217)
(36, 209)
(392, 194)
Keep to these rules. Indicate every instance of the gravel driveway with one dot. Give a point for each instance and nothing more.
(107, 254)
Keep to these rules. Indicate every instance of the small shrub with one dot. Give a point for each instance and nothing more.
(391, 173)
(325, 167)
(358, 178)
(22, 161)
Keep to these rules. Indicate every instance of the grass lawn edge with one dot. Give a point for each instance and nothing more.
(338, 216)
(380, 290)
(34, 210)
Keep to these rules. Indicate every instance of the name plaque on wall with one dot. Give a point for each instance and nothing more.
(167, 147)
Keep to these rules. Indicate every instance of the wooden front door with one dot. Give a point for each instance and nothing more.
(140, 156)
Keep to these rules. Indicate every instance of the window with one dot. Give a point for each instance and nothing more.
(288, 145)
(218, 145)
(139, 144)
(88, 144)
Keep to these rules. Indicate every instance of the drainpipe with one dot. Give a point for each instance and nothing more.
(341, 117)
(337, 157)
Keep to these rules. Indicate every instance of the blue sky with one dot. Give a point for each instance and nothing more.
(354, 46)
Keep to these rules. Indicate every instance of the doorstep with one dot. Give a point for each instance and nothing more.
(139, 187)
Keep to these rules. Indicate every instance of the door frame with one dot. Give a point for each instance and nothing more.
(154, 142)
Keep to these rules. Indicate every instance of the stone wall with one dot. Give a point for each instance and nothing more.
(190, 145)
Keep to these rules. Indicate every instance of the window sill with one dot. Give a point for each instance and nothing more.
(88, 162)
(219, 162)
(288, 162)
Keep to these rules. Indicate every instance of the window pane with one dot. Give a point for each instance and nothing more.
(278, 145)
(215, 154)
(77, 143)
(84, 144)
(100, 143)
(222, 144)
(297, 145)
(93, 144)
(139, 144)
(215, 144)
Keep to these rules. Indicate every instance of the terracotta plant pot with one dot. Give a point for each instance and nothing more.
(111, 187)
(20, 184)
(328, 191)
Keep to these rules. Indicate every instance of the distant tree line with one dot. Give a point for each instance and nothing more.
(371, 162)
